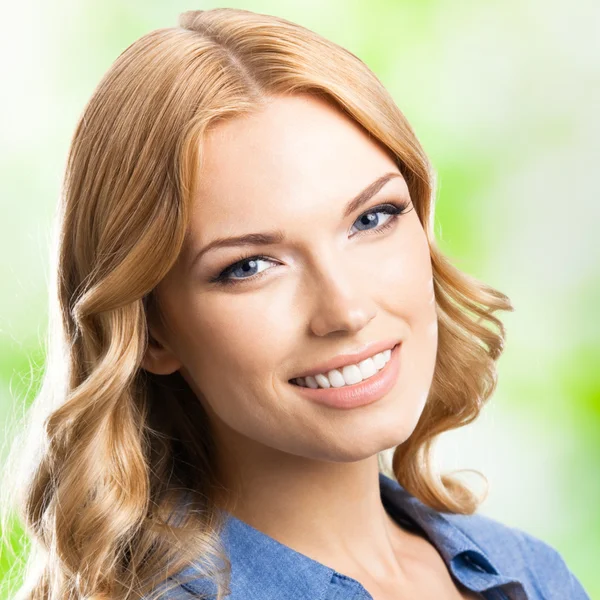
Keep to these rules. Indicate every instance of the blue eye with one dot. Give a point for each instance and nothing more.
(247, 264)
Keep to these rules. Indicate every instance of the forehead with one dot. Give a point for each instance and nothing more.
(291, 159)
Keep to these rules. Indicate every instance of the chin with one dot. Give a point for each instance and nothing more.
(395, 425)
(363, 445)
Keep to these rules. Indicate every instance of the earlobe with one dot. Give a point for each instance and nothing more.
(159, 360)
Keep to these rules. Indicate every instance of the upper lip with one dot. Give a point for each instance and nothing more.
(352, 358)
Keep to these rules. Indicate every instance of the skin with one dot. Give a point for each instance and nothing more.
(307, 473)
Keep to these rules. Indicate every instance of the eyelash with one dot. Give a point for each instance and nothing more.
(393, 209)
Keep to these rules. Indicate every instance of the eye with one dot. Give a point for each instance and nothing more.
(368, 218)
(247, 264)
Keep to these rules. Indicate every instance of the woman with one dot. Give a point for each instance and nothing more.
(252, 309)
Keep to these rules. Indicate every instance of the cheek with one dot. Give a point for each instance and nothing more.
(409, 294)
(407, 277)
(234, 346)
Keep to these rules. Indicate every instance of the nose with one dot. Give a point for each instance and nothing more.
(342, 300)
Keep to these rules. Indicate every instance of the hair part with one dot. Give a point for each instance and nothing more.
(111, 453)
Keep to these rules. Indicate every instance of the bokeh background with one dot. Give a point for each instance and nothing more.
(504, 96)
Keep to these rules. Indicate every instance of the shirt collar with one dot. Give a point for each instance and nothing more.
(253, 555)
(466, 559)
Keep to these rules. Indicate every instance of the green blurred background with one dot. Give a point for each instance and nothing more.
(503, 96)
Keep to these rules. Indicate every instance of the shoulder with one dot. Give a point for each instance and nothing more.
(520, 554)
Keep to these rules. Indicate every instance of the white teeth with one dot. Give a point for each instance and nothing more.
(322, 381)
(311, 382)
(336, 378)
(351, 375)
(348, 375)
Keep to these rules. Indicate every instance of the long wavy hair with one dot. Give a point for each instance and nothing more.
(110, 452)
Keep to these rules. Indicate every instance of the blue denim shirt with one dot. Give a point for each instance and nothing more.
(496, 560)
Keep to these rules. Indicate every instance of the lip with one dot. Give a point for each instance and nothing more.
(360, 394)
(343, 360)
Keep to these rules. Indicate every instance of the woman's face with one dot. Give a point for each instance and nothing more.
(332, 285)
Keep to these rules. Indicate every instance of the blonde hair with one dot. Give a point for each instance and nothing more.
(112, 452)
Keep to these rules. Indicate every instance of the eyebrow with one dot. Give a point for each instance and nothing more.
(276, 237)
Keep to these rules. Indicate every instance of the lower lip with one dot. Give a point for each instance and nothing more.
(359, 394)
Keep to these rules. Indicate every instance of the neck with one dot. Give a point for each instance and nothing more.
(329, 511)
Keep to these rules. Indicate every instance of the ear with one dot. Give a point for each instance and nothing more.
(159, 359)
